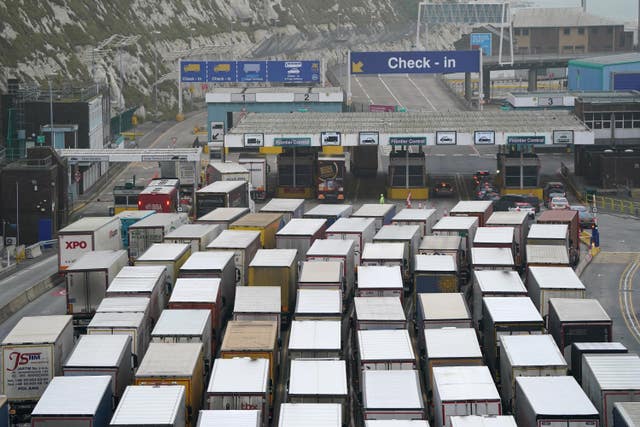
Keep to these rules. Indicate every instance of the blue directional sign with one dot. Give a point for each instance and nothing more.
(293, 71)
(221, 71)
(481, 41)
(252, 71)
(193, 71)
(454, 61)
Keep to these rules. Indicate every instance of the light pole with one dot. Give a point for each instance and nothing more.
(418, 26)
(50, 112)
(155, 84)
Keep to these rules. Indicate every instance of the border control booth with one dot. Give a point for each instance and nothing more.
(407, 168)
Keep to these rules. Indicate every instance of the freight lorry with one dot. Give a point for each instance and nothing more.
(423, 218)
(244, 244)
(545, 283)
(127, 219)
(572, 219)
(130, 324)
(359, 230)
(300, 233)
(152, 229)
(381, 213)
(392, 395)
(258, 171)
(315, 339)
(197, 235)
(267, 224)
(86, 235)
(222, 217)
(288, 208)
(481, 209)
(339, 251)
(330, 213)
(318, 304)
(318, 381)
(152, 406)
(172, 256)
(276, 266)
(150, 281)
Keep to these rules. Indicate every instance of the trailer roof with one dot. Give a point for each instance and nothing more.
(512, 309)
(164, 252)
(234, 239)
(257, 299)
(548, 231)
(228, 167)
(239, 375)
(556, 278)
(182, 322)
(499, 281)
(385, 345)
(318, 377)
(164, 182)
(274, 258)
(471, 206)
(320, 272)
(558, 395)
(483, 421)
(248, 335)
(327, 210)
(195, 290)
(331, 247)
(400, 232)
(192, 231)
(319, 301)
(119, 304)
(547, 254)
(374, 210)
(619, 371)
(378, 276)
(379, 308)
(88, 223)
(351, 225)
(302, 227)
(492, 257)
(149, 405)
(130, 285)
(557, 215)
(223, 214)
(134, 214)
(151, 272)
(507, 218)
(221, 187)
(441, 243)
(73, 395)
(391, 390)
(600, 346)
(310, 415)
(629, 411)
(37, 329)
(208, 261)
(99, 351)
(414, 215)
(98, 260)
(455, 223)
(230, 418)
(436, 263)
(159, 219)
(158, 190)
(258, 220)
(170, 360)
(282, 205)
(579, 310)
(376, 251)
(459, 383)
(315, 335)
(497, 235)
(117, 320)
(532, 350)
(459, 343)
(396, 423)
(443, 306)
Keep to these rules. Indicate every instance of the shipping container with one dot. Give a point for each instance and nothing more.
(44, 342)
(481, 209)
(495, 237)
(257, 303)
(191, 326)
(494, 283)
(330, 213)
(520, 222)
(409, 235)
(381, 213)
(436, 273)
(506, 316)
(96, 355)
(547, 256)
(544, 283)
(223, 417)
(257, 339)
(300, 233)
(549, 234)
(153, 406)
(424, 218)
(267, 224)
(126, 305)
(463, 390)
(626, 414)
(571, 218)
(288, 208)
(240, 384)
(244, 244)
(450, 347)
(175, 363)
(321, 275)
(315, 339)
(610, 378)
(223, 217)
(380, 281)
(86, 235)
(578, 320)
(221, 194)
(359, 230)
(442, 310)
(196, 235)
(336, 250)
(492, 259)
(170, 255)
(384, 350)
(318, 381)
(152, 229)
(127, 219)
(87, 280)
(226, 171)
(149, 281)
(387, 254)
(464, 227)
(130, 324)
(552, 401)
(483, 421)
(579, 349)
(258, 169)
(392, 395)
(310, 415)
(318, 304)
(75, 401)
(379, 313)
(276, 266)
(527, 356)
(443, 245)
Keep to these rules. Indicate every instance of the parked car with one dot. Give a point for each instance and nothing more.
(553, 189)
(508, 201)
(559, 203)
(524, 207)
(443, 188)
(587, 220)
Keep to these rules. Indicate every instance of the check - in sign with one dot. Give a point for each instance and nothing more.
(408, 140)
(453, 61)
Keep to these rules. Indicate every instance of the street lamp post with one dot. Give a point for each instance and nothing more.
(155, 84)
(51, 112)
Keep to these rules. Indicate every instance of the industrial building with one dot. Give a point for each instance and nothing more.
(605, 73)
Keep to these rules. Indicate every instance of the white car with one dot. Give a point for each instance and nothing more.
(559, 203)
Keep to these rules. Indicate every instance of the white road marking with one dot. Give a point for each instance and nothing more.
(363, 90)
(421, 93)
(389, 90)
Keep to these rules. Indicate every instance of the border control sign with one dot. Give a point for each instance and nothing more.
(453, 61)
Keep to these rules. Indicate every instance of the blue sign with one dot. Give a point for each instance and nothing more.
(481, 41)
(293, 71)
(252, 71)
(221, 71)
(193, 71)
(454, 61)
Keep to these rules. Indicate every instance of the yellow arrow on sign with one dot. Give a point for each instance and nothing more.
(356, 67)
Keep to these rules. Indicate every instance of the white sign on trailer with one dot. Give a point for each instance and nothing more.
(26, 374)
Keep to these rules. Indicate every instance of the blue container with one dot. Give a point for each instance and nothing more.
(127, 219)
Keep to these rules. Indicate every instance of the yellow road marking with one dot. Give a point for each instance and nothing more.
(625, 287)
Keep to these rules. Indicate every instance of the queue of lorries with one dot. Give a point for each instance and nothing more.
(329, 317)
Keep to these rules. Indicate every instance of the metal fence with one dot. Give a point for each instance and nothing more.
(611, 204)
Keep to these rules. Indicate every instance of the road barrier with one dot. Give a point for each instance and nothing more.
(611, 204)
(11, 307)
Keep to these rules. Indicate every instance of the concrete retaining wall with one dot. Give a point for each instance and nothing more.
(19, 301)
